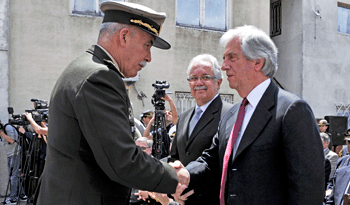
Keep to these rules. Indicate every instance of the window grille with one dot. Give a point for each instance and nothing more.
(342, 109)
(276, 18)
(185, 100)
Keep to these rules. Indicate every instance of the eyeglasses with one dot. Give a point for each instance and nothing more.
(202, 78)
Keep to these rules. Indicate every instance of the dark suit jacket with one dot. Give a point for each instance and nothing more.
(91, 156)
(280, 157)
(187, 149)
(341, 180)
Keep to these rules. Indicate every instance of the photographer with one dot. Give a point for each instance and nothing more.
(10, 136)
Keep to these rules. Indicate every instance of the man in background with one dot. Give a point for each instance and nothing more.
(194, 132)
(332, 156)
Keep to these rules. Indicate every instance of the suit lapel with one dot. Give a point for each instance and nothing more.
(231, 121)
(259, 119)
(183, 134)
(206, 118)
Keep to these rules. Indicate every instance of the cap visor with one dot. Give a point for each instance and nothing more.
(159, 42)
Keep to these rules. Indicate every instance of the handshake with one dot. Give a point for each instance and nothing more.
(184, 180)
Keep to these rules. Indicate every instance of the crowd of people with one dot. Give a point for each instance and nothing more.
(253, 152)
(25, 146)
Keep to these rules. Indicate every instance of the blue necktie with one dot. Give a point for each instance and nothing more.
(194, 120)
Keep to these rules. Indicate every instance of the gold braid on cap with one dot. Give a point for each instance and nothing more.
(145, 25)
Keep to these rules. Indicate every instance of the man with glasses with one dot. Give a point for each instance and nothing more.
(197, 126)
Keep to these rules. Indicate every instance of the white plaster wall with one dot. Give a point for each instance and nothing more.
(4, 46)
(4, 32)
(326, 61)
(44, 38)
(289, 45)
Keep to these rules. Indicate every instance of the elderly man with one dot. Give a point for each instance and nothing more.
(192, 138)
(264, 151)
(91, 156)
(332, 156)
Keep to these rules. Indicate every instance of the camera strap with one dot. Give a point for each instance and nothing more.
(5, 128)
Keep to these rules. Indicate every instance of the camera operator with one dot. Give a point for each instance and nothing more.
(10, 136)
(170, 120)
(40, 130)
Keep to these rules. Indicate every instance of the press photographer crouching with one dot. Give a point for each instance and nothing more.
(10, 138)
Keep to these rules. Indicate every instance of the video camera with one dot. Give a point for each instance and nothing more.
(40, 113)
(17, 119)
(159, 93)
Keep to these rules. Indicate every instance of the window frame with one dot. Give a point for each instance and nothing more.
(202, 17)
(97, 11)
(345, 6)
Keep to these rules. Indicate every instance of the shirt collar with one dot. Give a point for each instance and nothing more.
(112, 59)
(256, 94)
(206, 105)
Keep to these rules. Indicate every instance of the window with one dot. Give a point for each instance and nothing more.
(185, 100)
(343, 18)
(87, 7)
(275, 9)
(208, 14)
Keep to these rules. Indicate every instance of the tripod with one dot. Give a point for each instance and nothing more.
(160, 137)
(33, 164)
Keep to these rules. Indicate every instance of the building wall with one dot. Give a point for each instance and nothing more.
(45, 38)
(289, 45)
(326, 58)
(4, 68)
(313, 57)
(4, 45)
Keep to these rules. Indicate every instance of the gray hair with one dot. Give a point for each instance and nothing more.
(325, 137)
(256, 44)
(110, 28)
(145, 139)
(206, 58)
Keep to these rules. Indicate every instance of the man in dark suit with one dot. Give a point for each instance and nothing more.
(187, 146)
(91, 156)
(277, 157)
(340, 182)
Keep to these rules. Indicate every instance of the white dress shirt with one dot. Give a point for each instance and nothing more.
(253, 98)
